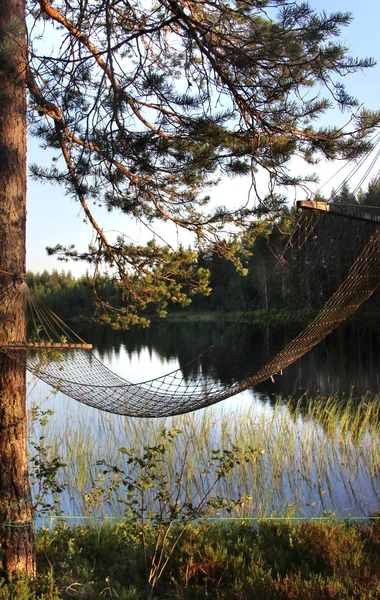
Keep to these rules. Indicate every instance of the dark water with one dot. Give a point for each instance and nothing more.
(347, 361)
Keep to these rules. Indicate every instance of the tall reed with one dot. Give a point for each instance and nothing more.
(318, 455)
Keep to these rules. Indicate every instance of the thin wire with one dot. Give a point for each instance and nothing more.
(375, 141)
(64, 327)
(256, 519)
(55, 324)
(48, 327)
(374, 161)
(33, 521)
(19, 523)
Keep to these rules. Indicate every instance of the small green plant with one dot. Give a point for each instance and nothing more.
(163, 508)
(225, 560)
(44, 467)
(20, 587)
(321, 454)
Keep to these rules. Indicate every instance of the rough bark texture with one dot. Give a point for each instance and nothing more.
(16, 525)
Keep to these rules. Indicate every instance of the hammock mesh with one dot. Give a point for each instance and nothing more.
(319, 276)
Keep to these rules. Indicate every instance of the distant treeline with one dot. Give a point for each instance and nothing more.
(73, 298)
(69, 297)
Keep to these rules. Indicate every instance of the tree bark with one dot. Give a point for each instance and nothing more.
(16, 523)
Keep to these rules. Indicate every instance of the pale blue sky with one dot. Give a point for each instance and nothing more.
(54, 218)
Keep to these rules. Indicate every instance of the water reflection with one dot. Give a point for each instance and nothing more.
(347, 360)
(307, 464)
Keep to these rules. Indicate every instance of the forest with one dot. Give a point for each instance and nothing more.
(229, 290)
(141, 108)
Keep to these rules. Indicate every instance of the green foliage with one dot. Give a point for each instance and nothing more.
(372, 196)
(221, 277)
(367, 198)
(161, 508)
(21, 587)
(161, 100)
(166, 278)
(44, 468)
(69, 297)
(89, 561)
(230, 560)
(344, 196)
(168, 547)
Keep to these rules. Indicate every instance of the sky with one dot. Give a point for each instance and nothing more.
(55, 218)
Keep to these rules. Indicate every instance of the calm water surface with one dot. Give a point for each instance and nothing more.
(316, 475)
(348, 359)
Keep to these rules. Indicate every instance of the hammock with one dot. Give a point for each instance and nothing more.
(325, 270)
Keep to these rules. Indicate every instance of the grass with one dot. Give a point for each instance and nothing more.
(317, 456)
(268, 561)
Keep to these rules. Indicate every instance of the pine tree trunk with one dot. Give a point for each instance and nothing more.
(16, 526)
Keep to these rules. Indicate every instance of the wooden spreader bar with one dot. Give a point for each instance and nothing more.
(352, 212)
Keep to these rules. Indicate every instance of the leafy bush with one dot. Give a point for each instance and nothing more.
(227, 560)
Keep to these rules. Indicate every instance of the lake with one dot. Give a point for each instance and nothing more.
(350, 357)
(316, 459)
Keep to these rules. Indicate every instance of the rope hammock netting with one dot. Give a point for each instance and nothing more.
(319, 276)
